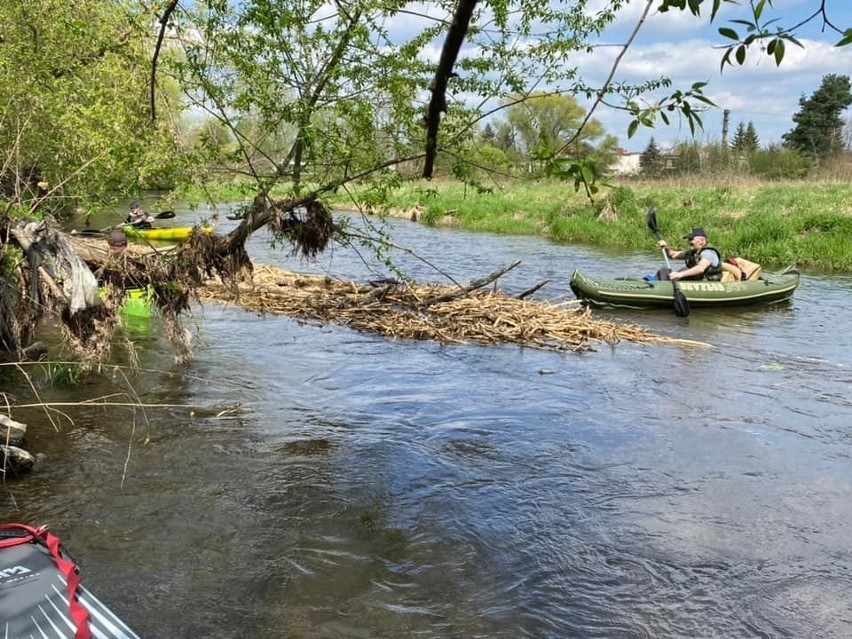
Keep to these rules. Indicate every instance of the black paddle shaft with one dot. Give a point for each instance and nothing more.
(165, 215)
(681, 304)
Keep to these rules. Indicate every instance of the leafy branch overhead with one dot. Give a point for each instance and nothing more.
(761, 28)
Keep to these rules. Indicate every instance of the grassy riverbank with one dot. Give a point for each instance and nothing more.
(804, 223)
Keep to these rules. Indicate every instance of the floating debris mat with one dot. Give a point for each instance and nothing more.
(447, 314)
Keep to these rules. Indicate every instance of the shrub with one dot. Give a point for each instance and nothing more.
(779, 164)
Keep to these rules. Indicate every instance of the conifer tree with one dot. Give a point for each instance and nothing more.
(651, 159)
(751, 140)
(819, 125)
(739, 142)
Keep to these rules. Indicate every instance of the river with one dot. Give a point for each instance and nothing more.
(376, 488)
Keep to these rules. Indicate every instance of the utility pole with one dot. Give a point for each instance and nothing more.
(725, 115)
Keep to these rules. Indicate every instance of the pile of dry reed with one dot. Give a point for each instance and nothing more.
(445, 314)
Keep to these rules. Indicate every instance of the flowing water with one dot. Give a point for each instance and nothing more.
(378, 488)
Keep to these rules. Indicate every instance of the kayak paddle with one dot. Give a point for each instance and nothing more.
(681, 304)
(165, 215)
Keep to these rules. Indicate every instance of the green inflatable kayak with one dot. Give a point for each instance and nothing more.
(769, 288)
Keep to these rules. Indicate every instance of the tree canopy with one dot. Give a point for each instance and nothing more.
(819, 122)
(73, 80)
(745, 138)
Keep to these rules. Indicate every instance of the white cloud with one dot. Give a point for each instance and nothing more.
(759, 91)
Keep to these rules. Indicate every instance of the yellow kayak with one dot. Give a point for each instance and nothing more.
(165, 233)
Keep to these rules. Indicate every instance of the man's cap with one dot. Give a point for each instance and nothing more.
(699, 232)
(135, 205)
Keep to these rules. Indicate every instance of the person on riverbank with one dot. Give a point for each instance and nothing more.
(703, 262)
(139, 218)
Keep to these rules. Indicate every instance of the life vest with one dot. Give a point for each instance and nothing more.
(713, 273)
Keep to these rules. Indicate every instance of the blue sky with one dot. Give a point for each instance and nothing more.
(686, 49)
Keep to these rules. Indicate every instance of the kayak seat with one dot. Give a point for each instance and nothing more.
(751, 270)
(731, 273)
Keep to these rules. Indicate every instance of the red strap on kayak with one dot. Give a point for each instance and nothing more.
(79, 615)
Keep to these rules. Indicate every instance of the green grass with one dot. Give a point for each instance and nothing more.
(804, 223)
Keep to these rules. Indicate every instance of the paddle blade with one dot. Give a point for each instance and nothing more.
(681, 304)
(165, 215)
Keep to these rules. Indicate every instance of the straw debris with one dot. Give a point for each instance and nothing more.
(409, 311)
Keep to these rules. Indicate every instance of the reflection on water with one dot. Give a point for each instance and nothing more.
(377, 488)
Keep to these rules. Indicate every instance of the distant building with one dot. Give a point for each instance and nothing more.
(626, 163)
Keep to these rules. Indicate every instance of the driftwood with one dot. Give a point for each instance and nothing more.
(532, 290)
(475, 284)
(211, 267)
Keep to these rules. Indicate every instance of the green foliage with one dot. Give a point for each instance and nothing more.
(776, 224)
(73, 100)
(687, 157)
(689, 104)
(779, 164)
(745, 139)
(544, 125)
(67, 374)
(583, 173)
(717, 158)
(819, 122)
(379, 188)
(651, 160)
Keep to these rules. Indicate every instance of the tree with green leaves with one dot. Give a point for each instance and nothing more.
(73, 81)
(819, 122)
(542, 122)
(688, 157)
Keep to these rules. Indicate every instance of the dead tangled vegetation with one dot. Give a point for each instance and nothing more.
(79, 283)
(446, 314)
(54, 268)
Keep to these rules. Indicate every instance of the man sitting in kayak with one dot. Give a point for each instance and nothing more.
(138, 218)
(703, 262)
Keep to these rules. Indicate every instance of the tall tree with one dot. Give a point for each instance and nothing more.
(745, 139)
(752, 142)
(819, 122)
(651, 159)
(738, 143)
(543, 122)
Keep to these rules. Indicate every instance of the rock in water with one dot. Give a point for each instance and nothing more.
(15, 460)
